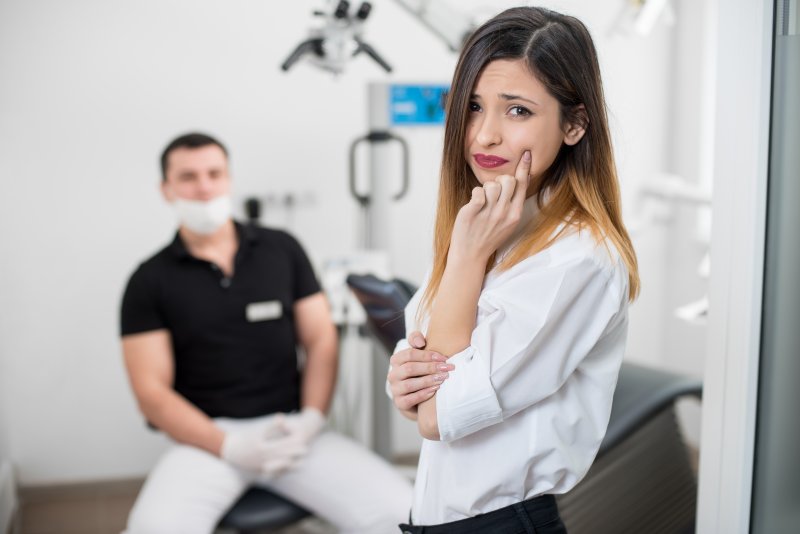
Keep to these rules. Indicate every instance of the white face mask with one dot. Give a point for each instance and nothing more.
(203, 217)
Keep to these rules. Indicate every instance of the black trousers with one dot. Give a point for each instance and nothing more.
(534, 516)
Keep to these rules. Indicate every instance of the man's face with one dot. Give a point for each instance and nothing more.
(196, 174)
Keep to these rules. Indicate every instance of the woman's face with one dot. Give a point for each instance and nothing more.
(510, 112)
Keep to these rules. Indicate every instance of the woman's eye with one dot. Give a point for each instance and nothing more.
(519, 111)
(473, 106)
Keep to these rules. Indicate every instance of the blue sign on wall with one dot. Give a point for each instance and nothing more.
(417, 104)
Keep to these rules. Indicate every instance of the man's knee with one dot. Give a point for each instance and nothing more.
(144, 522)
(187, 492)
(163, 521)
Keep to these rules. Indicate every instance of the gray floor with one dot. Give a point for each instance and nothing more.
(101, 508)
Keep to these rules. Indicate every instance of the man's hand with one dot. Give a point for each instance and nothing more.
(268, 450)
(415, 374)
(304, 426)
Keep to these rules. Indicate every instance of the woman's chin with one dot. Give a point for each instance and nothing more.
(484, 175)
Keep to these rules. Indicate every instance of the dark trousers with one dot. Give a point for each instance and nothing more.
(534, 516)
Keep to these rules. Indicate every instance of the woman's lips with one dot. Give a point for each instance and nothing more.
(489, 162)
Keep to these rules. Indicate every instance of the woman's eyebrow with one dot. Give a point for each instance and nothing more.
(506, 96)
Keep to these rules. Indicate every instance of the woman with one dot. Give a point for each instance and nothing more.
(527, 298)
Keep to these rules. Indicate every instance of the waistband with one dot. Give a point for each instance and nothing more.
(538, 510)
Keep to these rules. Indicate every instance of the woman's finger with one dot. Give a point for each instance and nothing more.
(507, 187)
(478, 196)
(523, 178)
(427, 368)
(399, 358)
(412, 385)
(414, 355)
(492, 192)
(408, 402)
(416, 369)
(417, 340)
(411, 369)
(475, 204)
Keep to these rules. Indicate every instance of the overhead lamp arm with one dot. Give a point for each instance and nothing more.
(450, 25)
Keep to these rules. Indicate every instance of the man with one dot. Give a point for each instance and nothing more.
(210, 326)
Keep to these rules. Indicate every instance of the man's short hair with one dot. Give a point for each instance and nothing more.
(189, 140)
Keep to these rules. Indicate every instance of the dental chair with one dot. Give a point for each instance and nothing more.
(642, 481)
(259, 510)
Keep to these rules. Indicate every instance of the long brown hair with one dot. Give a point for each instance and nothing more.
(581, 184)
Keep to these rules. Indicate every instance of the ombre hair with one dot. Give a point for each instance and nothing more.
(581, 185)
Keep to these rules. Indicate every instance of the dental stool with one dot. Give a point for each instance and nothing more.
(642, 480)
(259, 510)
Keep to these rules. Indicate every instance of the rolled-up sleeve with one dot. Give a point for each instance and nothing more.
(403, 344)
(533, 330)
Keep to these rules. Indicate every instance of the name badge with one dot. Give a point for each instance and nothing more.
(264, 311)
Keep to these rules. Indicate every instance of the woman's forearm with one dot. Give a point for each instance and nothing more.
(451, 323)
(454, 310)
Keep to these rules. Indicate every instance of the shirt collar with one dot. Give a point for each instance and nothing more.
(246, 232)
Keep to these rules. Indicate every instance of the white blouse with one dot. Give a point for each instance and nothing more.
(528, 403)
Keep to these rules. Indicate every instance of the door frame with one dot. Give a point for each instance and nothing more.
(743, 88)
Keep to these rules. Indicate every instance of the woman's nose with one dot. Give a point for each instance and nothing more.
(488, 132)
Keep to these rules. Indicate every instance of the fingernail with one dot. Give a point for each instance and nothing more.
(526, 156)
(434, 388)
(417, 341)
(443, 367)
(440, 378)
(438, 357)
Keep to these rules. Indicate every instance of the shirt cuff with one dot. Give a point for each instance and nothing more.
(401, 345)
(466, 402)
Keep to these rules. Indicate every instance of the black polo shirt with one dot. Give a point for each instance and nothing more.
(234, 338)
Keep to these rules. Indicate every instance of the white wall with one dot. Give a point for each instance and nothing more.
(690, 156)
(90, 92)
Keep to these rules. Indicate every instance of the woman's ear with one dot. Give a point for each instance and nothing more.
(576, 125)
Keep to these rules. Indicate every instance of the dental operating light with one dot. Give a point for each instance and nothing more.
(340, 37)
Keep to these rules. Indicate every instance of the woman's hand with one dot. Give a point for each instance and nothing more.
(416, 374)
(492, 215)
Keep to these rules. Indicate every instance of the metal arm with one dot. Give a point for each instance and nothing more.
(371, 52)
(313, 45)
(448, 24)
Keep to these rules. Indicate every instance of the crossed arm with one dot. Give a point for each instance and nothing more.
(451, 325)
(481, 227)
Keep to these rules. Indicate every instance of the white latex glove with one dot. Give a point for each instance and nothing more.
(269, 450)
(305, 425)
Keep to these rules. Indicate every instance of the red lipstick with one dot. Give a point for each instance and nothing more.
(489, 162)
